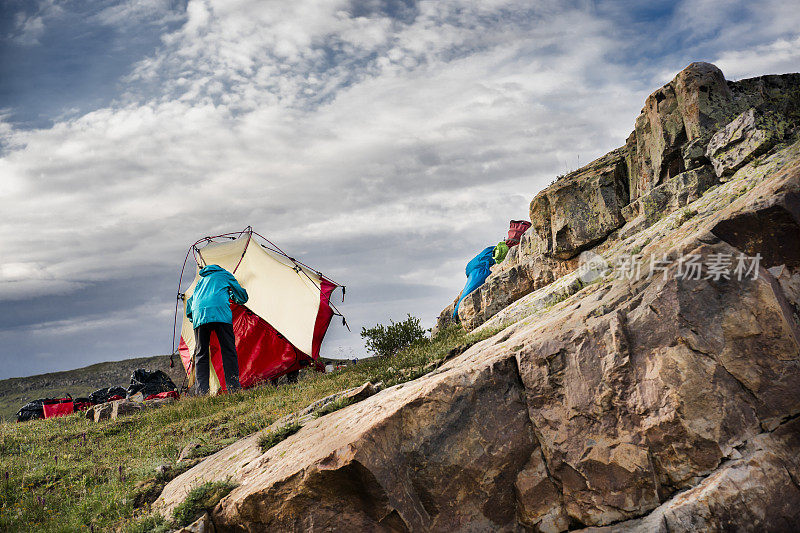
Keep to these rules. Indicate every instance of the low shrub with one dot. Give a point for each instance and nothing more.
(153, 523)
(282, 433)
(331, 407)
(199, 500)
(386, 341)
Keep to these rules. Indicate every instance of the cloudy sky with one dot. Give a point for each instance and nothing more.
(384, 142)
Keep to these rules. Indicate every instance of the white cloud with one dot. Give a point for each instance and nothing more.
(385, 148)
(385, 144)
(29, 27)
(28, 30)
(82, 325)
(130, 13)
(778, 57)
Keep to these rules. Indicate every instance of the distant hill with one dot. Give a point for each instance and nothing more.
(15, 392)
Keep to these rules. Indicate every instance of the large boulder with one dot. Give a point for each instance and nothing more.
(671, 132)
(582, 208)
(748, 136)
(659, 390)
(756, 491)
(703, 98)
(381, 465)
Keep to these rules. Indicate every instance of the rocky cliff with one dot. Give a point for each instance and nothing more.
(692, 134)
(646, 371)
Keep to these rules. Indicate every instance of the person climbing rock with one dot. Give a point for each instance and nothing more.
(208, 309)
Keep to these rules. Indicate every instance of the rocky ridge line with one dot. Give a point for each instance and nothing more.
(692, 134)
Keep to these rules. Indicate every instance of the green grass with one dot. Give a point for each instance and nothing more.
(282, 433)
(200, 499)
(335, 405)
(71, 474)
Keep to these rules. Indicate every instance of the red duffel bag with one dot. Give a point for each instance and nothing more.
(515, 230)
(167, 394)
(61, 407)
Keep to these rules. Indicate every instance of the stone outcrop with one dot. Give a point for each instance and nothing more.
(674, 121)
(693, 132)
(507, 285)
(445, 318)
(666, 400)
(748, 136)
(756, 491)
(201, 525)
(667, 197)
(623, 406)
(582, 208)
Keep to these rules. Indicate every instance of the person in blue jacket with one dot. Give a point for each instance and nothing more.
(208, 309)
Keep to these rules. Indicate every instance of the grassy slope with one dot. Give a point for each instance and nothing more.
(71, 474)
(16, 392)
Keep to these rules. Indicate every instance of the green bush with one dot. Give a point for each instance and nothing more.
(153, 523)
(385, 341)
(199, 500)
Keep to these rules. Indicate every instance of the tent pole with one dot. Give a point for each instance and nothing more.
(249, 231)
(177, 297)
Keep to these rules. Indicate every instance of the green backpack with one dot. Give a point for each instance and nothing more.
(500, 252)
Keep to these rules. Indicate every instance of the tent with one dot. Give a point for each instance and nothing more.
(280, 328)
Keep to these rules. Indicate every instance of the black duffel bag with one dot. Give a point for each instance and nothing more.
(107, 394)
(31, 411)
(81, 404)
(150, 382)
(34, 409)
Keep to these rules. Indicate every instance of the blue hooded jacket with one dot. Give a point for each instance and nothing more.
(209, 302)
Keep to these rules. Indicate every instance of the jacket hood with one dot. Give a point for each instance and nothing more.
(206, 270)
